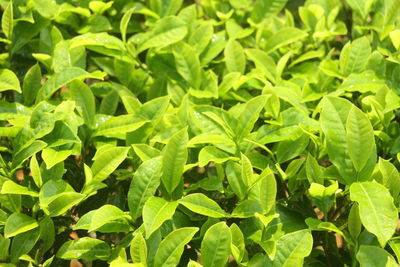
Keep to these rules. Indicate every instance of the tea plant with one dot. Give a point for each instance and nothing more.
(199, 133)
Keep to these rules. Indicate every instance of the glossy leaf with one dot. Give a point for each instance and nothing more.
(201, 204)
(85, 248)
(360, 137)
(216, 245)
(293, 248)
(107, 161)
(167, 31)
(282, 38)
(85, 102)
(138, 249)
(375, 256)
(174, 158)
(187, 64)
(7, 20)
(62, 78)
(234, 57)
(9, 81)
(19, 223)
(144, 184)
(155, 212)
(377, 211)
(171, 248)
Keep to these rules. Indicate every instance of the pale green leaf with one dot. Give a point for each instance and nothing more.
(377, 211)
(9, 81)
(18, 223)
(108, 161)
(155, 212)
(174, 159)
(85, 248)
(369, 256)
(170, 250)
(216, 245)
(201, 204)
(144, 184)
(234, 57)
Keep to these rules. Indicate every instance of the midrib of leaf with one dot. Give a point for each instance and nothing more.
(354, 59)
(206, 208)
(376, 219)
(176, 249)
(214, 254)
(158, 212)
(299, 244)
(88, 250)
(146, 188)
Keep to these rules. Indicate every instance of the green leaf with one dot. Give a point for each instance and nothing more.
(4, 247)
(145, 152)
(249, 116)
(354, 56)
(377, 211)
(10, 187)
(32, 84)
(235, 179)
(211, 153)
(282, 38)
(124, 23)
(9, 81)
(354, 221)
(144, 184)
(63, 77)
(138, 248)
(375, 256)
(7, 21)
(201, 37)
(395, 38)
(85, 102)
(266, 8)
(201, 204)
(57, 196)
(155, 212)
(360, 137)
(166, 31)
(333, 120)
(237, 245)
(85, 248)
(360, 7)
(216, 245)
(293, 248)
(103, 215)
(389, 176)
(166, 7)
(116, 223)
(234, 57)
(187, 64)
(54, 156)
(247, 209)
(170, 250)
(108, 161)
(18, 223)
(174, 158)
(267, 190)
(47, 9)
(47, 232)
(263, 62)
(322, 196)
(23, 243)
(26, 152)
(119, 125)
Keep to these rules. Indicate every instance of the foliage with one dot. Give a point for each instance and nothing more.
(200, 133)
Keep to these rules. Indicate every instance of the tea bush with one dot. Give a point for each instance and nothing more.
(199, 133)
